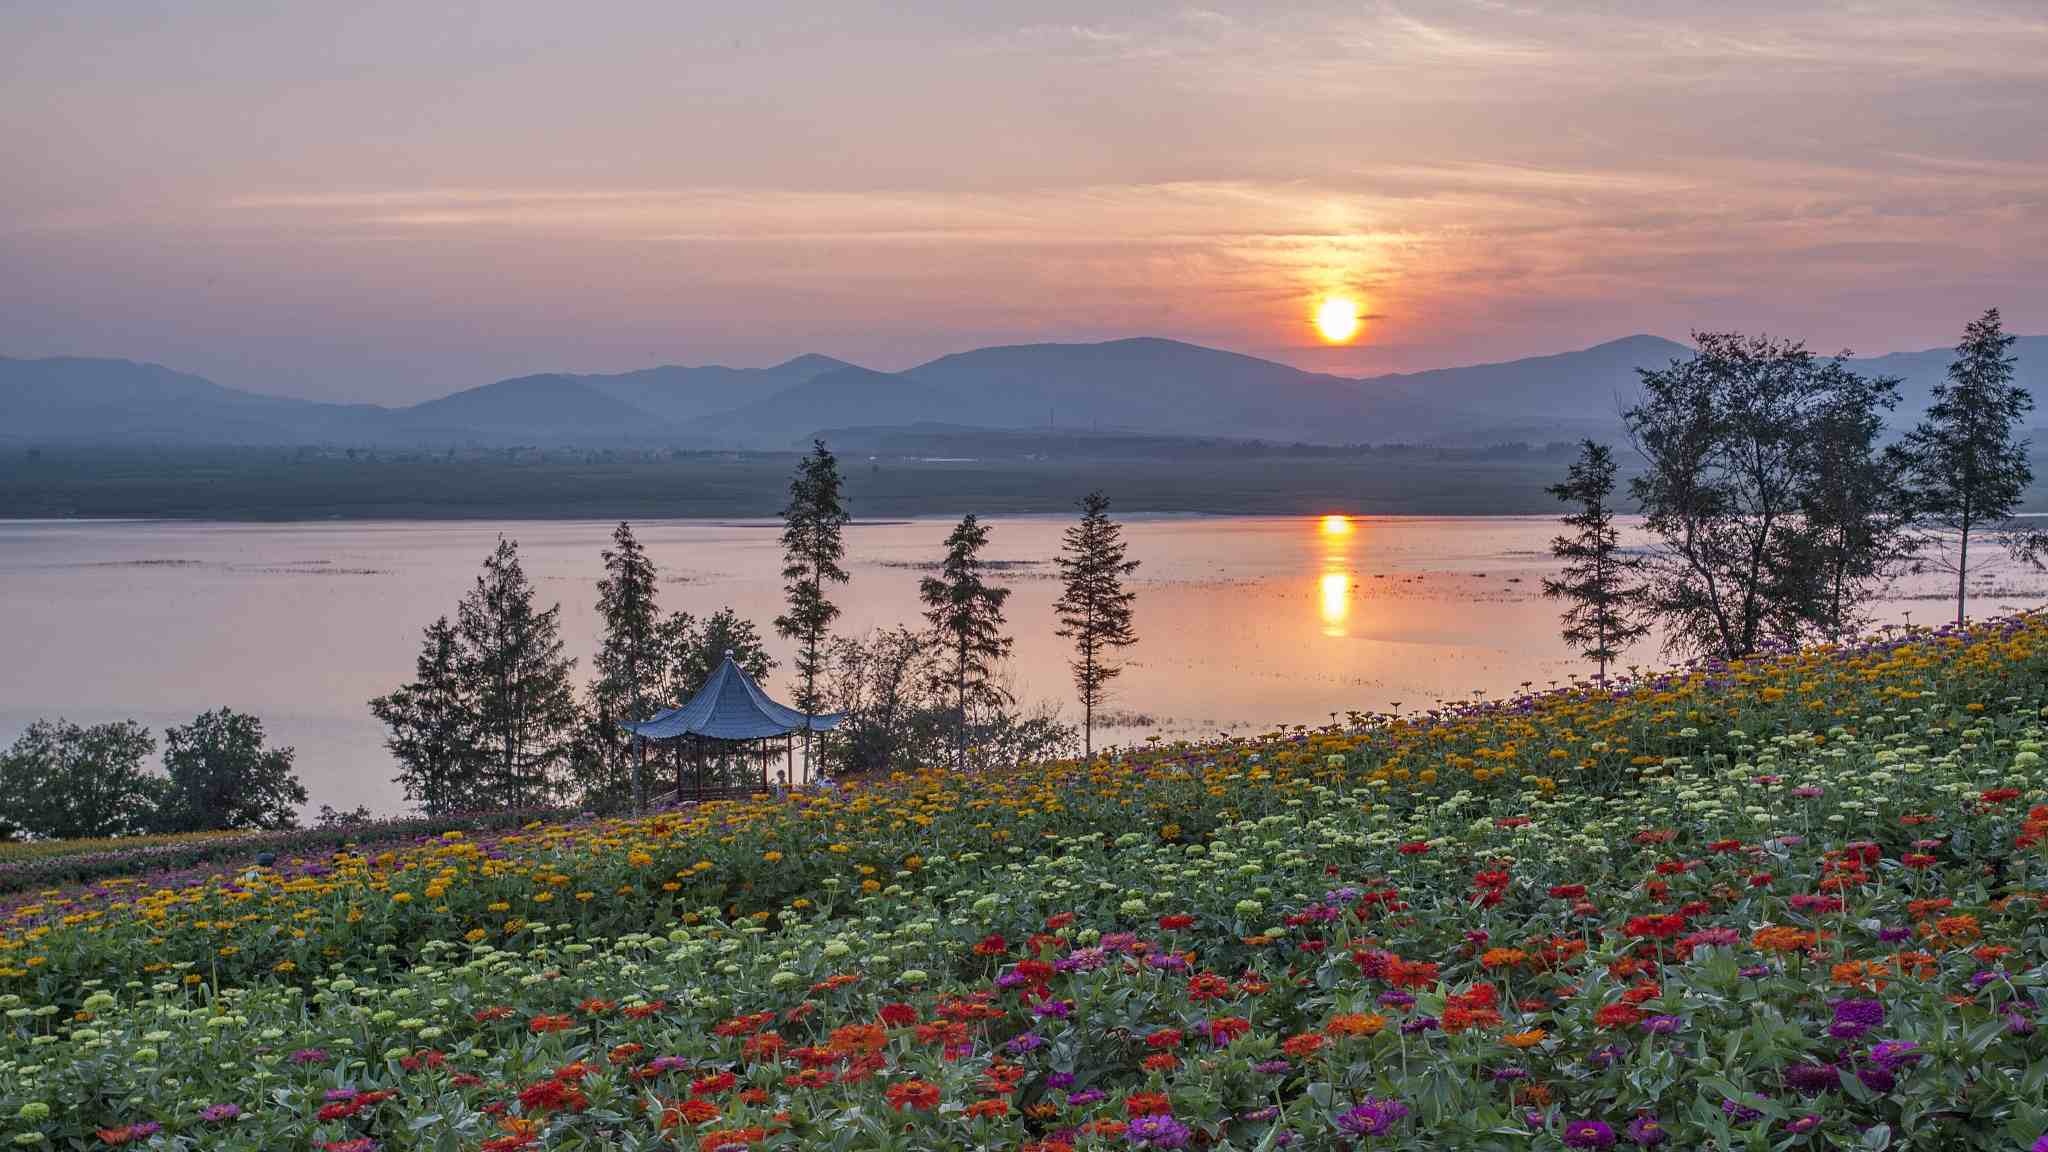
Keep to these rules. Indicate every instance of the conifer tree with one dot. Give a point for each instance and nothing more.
(1969, 470)
(513, 671)
(431, 728)
(631, 663)
(1596, 583)
(1094, 607)
(812, 550)
(966, 612)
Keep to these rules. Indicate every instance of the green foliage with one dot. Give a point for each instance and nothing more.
(1598, 577)
(812, 548)
(695, 650)
(1094, 608)
(631, 662)
(490, 718)
(432, 730)
(514, 672)
(1968, 469)
(966, 611)
(62, 781)
(223, 778)
(1758, 481)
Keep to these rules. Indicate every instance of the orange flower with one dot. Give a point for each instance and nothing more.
(920, 1095)
(1779, 938)
(692, 1112)
(859, 1038)
(1355, 1024)
(1529, 1039)
(1303, 1045)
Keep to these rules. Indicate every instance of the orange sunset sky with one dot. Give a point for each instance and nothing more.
(384, 202)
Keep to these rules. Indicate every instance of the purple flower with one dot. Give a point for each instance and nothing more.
(1272, 1067)
(1059, 1080)
(1812, 1079)
(1661, 1025)
(309, 1056)
(1608, 1056)
(1395, 998)
(1157, 1131)
(1371, 1117)
(1057, 1009)
(1892, 934)
(2040, 1143)
(336, 1095)
(1893, 1055)
(1802, 1125)
(1085, 1098)
(145, 1129)
(1740, 1113)
(1418, 1024)
(1855, 1017)
(1027, 1042)
(216, 1113)
(1646, 1132)
(1588, 1134)
(1509, 1075)
(1878, 1079)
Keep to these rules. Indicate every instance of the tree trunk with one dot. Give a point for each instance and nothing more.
(960, 710)
(1963, 574)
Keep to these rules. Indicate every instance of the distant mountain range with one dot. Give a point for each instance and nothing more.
(1139, 386)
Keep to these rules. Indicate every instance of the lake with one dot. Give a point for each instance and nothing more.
(1244, 623)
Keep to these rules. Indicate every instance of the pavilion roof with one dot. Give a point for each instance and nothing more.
(730, 706)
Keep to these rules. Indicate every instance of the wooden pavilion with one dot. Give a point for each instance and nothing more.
(729, 717)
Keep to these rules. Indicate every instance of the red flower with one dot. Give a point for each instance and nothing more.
(691, 1112)
(1660, 927)
(1175, 922)
(899, 1015)
(1147, 1104)
(920, 1095)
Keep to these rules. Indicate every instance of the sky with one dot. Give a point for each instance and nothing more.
(385, 202)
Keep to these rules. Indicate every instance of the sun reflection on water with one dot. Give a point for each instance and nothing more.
(1336, 598)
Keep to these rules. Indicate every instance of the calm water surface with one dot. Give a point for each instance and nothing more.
(1244, 623)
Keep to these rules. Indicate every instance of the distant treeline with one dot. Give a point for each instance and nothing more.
(931, 477)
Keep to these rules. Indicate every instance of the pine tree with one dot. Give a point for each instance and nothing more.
(432, 728)
(1968, 469)
(1599, 616)
(630, 664)
(513, 670)
(812, 550)
(967, 613)
(1094, 609)
(697, 649)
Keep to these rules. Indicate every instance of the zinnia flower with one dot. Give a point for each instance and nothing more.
(1157, 1130)
(1588, 1134)
(1371, 1117)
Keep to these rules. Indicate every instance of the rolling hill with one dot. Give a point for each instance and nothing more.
(1144, 386)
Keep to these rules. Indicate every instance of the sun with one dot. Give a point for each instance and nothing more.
(1336, 525)
(1337, 319)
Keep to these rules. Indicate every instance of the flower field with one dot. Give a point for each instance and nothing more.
(1801, 903)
